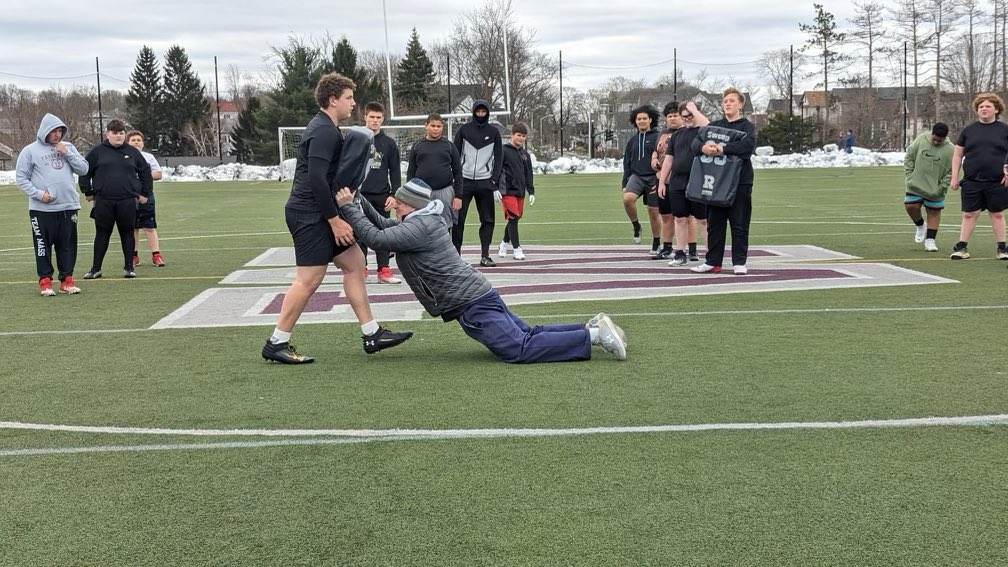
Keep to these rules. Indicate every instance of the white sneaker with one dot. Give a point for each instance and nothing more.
(502, 250)
(740, 270)
(919, 233)
(930, 245)
(610, 338)
(518, 254)
(704, 268)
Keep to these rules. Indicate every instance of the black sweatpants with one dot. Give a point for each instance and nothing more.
(118, 213)
(480, 191)
(378, 202)
(718, 218)
(54, 230)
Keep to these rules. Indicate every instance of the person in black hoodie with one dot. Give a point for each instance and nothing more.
(480, 147)
(639, 177)
(436, 161)
(383, 178)
(740, 212)
(516, 180)
(117, 175)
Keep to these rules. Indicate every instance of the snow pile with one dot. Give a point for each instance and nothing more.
(829, 156)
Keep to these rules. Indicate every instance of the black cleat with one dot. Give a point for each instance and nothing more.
(383, 339)
(92, 275)
(663, 254)
(129, 273)
(284, 353)
(487, 262)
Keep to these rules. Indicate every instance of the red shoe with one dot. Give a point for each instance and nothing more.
(45, 287)
(68, 286)
(157, 260)
(385, 276)
(136, 260)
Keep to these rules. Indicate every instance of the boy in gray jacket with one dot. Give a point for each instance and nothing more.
(451, 288)
(45, 172)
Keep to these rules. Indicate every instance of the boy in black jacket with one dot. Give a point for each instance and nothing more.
(383, 178)
(436, 161)
(639, 177)
(516, 180)
(479, 145)
(117, 175)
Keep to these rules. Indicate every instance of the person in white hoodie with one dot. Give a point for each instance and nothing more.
(45, 172)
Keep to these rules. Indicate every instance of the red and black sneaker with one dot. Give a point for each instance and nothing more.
(157, 260)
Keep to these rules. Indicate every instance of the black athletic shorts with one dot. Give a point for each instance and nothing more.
(983, 195)
(314, 242)
(680, 205)
(145, 216)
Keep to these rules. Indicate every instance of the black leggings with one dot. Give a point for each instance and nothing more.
(118, 213)
(486, 210)
(511, 232)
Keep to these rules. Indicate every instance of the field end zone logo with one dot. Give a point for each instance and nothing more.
(253, 296)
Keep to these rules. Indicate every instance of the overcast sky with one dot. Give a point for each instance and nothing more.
(44, 44)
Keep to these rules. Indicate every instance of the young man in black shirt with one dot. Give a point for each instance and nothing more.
(984, 145)
(675, 174)
(383, 178)
(516, 181)
(436, 161)
(320, 235)
(117, 175)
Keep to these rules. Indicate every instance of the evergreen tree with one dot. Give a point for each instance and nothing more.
(246, 134)
(414, 76)
(825, 40)
(799, 136)
(369, 87)
(144, 99)
(292, 102)
(185, 103)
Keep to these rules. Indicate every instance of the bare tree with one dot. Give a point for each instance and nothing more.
(775, 66)
(909, 17)
(868, 33)
(943, 17)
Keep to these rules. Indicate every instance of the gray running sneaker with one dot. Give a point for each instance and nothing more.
(611, 338)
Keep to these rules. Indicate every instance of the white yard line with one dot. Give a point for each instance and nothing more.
(339, 436)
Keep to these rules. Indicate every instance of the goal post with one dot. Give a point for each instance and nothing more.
(289, 137)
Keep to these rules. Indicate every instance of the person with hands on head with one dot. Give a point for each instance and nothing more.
(45, 173)
(326, 161)
(452, 289)
(674, 176)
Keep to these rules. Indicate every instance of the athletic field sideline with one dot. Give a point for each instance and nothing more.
(829, 426)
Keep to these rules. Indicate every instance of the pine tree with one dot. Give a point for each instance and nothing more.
(824, 39)
(369, 87)
(246, 134)
(414, 76)
(144, 99)
(185, 103)
(292, 103)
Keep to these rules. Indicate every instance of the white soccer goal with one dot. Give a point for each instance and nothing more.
(405, 135)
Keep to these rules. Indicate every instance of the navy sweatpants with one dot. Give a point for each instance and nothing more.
(490, 322)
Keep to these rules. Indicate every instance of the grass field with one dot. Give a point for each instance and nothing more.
(934, 495)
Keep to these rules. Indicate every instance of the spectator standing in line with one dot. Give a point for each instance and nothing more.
(981, 152)
(639, 177)
(146, 219)
(480, 147)
(118, 175)
(383, 178)
(516, 181)
(45, 172)
(436, 161)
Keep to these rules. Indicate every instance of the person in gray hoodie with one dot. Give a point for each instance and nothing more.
(452, 289)
(45, 172)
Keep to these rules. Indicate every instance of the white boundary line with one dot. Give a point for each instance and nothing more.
(340, 436)
(575, 316)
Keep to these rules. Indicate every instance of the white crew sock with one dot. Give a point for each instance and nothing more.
(593, 332)
(280, 336)
(369, 328)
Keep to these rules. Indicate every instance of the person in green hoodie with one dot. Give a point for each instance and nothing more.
(928, 166)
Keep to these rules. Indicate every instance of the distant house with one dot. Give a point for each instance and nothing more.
(8, 158)
(780, 106)
(229, 121)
